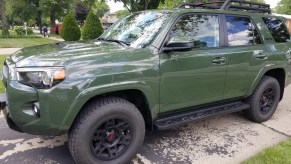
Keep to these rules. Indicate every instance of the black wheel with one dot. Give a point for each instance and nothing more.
(264, 101)
(110, 130)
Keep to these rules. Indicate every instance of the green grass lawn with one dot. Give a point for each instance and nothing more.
(275, 155)
(2, 57)
(11, 32)
(24, 42)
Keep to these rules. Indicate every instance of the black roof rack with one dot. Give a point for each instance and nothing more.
(234, 5)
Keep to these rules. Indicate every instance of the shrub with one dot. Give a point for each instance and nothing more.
(5, 33)
(29, 31)
(20, 31)
(70, 29)
(92, 28)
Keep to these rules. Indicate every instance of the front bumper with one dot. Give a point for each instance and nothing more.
(19, 111)
(3, 107)
(18, 108)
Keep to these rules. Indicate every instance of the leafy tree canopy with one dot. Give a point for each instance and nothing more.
(21, 10)
(121, 13)
(81, 11)
(284, 7)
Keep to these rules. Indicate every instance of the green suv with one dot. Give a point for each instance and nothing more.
(150, 70)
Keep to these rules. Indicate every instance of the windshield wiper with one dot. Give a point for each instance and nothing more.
(118, 41)
(115, 40)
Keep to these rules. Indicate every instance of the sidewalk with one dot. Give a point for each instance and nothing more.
(36, 32)
(5, 51)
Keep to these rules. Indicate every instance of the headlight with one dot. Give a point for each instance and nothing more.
(41, 78)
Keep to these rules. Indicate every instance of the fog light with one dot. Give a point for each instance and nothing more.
(35, 109)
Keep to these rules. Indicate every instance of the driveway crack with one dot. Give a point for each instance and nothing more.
(275, 130)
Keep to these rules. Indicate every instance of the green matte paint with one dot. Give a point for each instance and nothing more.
(169, 81)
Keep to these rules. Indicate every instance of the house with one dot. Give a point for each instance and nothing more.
(108, 19)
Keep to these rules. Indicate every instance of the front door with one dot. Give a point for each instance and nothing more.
(194, 77)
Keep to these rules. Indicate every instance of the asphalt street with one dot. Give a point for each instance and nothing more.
(224, 139)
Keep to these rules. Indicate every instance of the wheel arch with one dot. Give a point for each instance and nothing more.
(278, 73)
(142, 98)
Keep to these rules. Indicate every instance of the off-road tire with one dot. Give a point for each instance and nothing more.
(92, 117)
(256, 113)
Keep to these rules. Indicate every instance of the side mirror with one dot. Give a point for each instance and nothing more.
(178, 47)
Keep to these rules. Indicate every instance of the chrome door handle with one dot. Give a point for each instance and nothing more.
(219, 60)
(259, 54)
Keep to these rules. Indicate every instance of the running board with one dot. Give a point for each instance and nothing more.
(170, 121)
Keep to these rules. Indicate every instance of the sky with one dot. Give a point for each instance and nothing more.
(119, 6)
(115, 6)
(273, 3)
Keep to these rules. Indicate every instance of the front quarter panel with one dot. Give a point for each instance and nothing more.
(135, 69)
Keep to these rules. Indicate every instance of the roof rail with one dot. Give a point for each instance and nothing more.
(234, 5)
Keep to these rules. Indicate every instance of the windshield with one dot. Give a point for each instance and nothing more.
(137, 29)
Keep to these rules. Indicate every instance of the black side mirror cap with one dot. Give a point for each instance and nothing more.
(187, 46)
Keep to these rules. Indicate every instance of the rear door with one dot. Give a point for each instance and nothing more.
(245, 57)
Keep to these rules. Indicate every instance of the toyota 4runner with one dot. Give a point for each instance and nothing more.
(151, 70)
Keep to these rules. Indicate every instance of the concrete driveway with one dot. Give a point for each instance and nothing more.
(225, 139)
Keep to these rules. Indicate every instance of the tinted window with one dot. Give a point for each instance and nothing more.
(202, 30)
(277, 29)
(241, 31)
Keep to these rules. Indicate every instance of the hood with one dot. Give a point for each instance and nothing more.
(66, 53)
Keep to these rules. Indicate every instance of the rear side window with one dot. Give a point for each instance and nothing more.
(241, 31)
(278, 29)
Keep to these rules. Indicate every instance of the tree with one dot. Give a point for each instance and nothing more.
(56, 8)
(5, 26)
(23, 11)
(92, 28)
(121, 13)
(138, 5)
(70, 29)
(81, 11)
(100, 8)
(284, 7)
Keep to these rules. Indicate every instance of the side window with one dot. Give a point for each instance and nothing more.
(277, 29)
(241, 31)
(202, 30)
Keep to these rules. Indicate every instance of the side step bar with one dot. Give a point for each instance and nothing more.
(166, 122)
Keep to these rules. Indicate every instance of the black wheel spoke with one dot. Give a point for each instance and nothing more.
(126, 141)
(267, 101)
(122, 126)
(112, 152)
(111, 139)
(98, 135)
(110, 124)
(99, 149)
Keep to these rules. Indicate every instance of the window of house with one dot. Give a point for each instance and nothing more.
(241, 31)
(202, 30)
(278, 29)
